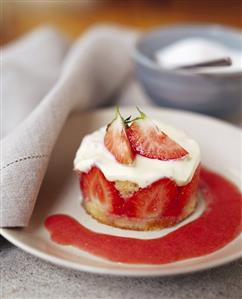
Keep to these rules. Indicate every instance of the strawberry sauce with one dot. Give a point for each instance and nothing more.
(219, 224)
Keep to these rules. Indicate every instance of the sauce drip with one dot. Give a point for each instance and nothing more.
(219, 224)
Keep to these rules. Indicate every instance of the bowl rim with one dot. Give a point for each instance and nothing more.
(139, 57)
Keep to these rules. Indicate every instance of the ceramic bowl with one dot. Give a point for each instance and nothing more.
(215, 93)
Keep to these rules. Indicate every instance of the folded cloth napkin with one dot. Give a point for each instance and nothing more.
(43, 80)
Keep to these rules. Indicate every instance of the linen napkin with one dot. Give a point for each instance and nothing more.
(41, 86)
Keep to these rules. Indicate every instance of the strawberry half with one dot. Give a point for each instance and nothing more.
(117, 142)
(152, 200)
(185, 193)
(149, 141)
(95, 186)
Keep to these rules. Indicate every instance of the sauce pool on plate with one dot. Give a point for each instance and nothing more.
(219, 224)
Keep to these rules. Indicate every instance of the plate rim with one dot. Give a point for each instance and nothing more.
(7, 232)
(159, 272)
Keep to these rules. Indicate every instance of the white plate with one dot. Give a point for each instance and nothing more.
(221, 151)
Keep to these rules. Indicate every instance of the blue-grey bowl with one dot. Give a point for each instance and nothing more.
(217, 94)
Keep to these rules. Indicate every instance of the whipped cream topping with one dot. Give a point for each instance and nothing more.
(144, 171)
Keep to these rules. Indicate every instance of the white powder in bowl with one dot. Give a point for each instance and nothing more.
(195, 50)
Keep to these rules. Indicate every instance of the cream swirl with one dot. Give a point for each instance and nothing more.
(143, 171)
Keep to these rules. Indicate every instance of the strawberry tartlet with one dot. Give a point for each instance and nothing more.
(138, 173)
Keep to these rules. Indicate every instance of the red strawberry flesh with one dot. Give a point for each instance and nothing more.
(117, 142)
(149, 141)
(95, 186)
(150, 201)
(162, 199)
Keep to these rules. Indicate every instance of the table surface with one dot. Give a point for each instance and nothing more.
(28, 277)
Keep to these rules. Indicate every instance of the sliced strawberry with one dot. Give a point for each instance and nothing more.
(117, 142)
(149, 141)
(185, 193)
(151, 201)
(95, 186)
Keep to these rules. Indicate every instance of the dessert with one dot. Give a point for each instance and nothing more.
(138, 173)
(219, 224)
